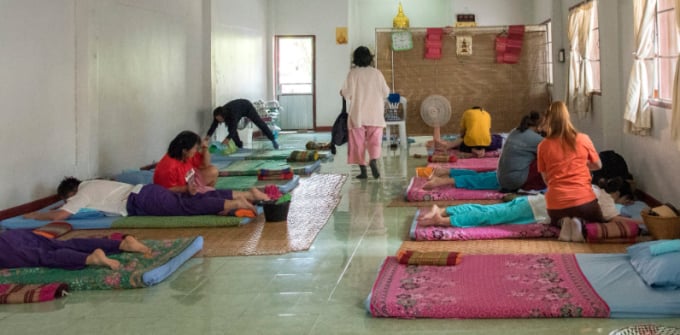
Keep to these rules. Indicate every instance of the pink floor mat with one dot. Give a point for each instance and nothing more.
(415, 192)
(487, 286)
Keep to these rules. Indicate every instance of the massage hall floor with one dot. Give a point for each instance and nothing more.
(319, 291)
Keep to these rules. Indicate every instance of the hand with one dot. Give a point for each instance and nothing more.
(225, 141)
(205, 144)
(31, 215)
(192, 186)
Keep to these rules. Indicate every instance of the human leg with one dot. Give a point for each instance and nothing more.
(435, 182)
(357, 149)
(479, 181)
(131, 244)
(374, 147)
(435, 217)
(356, 153)
(99, 258)
(208, 175)
(155, 200)
(517, 211)
(232, 127)
(252, 114)
(253, 194)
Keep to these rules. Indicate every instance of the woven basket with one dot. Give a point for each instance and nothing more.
(661, 228)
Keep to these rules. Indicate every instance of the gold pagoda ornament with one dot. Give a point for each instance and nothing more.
(400, 21)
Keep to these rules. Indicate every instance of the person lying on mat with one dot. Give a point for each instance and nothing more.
(231, 114)
(186, 167)
(475, 134)
(462, 178)
(521, 210)
(116, 198)
(21, 248)
(517, 164)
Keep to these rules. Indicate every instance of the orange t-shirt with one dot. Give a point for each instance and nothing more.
(566, 172)
(170, 172)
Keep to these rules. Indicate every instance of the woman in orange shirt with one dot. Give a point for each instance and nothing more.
(565, 158)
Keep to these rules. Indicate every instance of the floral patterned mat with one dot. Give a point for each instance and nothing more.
(133, 267)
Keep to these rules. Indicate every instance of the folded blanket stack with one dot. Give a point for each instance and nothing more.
(283, 174)
(303, 156)
(509, 48)
(442, 258)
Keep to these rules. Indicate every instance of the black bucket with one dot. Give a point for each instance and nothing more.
(275, 212)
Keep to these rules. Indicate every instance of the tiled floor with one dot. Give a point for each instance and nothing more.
(320, 291)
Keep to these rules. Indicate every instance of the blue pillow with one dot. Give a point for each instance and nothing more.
(662, 271)
(665, 246)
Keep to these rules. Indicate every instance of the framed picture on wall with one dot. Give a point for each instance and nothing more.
(464, 45)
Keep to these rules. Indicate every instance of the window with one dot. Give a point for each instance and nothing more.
(549, 51)
(666, 50)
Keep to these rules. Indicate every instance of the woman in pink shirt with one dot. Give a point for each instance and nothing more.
(565, 158)
(365, 88)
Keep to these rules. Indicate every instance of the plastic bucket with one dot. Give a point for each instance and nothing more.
(275, 212)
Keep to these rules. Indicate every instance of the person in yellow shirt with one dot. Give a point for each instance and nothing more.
(475, 134)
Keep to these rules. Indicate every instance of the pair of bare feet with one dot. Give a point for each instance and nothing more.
(438, 178)
(435, 217)
(128, 244)
(244, 200)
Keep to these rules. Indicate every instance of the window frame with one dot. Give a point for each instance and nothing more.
(655, 99)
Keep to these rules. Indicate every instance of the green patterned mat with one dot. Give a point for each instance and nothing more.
(176, 221)
(133, 267)
(250, 167)
(242, 183)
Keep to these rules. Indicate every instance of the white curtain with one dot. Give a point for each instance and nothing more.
(675, 111)
(579, 85)
(638, 116)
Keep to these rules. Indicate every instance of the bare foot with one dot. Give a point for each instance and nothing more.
(236, 203)
(98, 257)
(131, 244)
(441, 172)
(434, 218)
(479, 152)
(435, 182)
(258, 195)
(433, 211)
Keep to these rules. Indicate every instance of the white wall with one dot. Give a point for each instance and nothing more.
(89, 88)
(37, 97)
(319, 18)
(149, 78)
(240, 48)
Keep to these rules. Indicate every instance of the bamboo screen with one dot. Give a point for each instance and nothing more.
(506, 91)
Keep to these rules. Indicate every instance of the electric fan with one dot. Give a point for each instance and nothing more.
(435, 110)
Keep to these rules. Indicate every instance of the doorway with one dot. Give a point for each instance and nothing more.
(295, 70)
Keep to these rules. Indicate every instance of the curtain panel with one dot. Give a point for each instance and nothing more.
(637, 116)
(579, 80)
